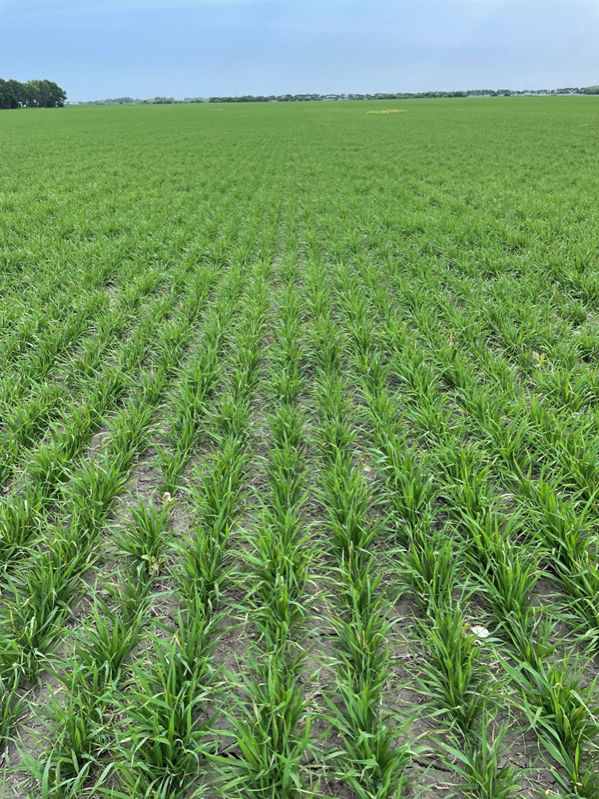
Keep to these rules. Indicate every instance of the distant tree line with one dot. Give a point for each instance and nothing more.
(134, 101)
(287, 98)
(148, 101)
(33, 94)
(282, 98)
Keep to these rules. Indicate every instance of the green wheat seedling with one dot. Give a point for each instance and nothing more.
(80, 729)
(10, 706)
(29, 421)
(480, 766)
(503, 532)
(51, 470)
(453, 678)
(363, 368)
(165, 725)
(215, 496)
(144, 542)
(17, 527)
(38, 602)
(369, 762)
(429, 566)
(509, 579)
(33, 624)
(195, 389)
(457, 688)
(564, 715)
(271, 728)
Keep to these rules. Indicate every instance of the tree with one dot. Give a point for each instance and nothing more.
(16, 93)
(33, 94)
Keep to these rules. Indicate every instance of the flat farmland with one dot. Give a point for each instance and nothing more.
(299, 450)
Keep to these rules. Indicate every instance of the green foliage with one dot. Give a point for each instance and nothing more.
(298, 450)
(33, 94)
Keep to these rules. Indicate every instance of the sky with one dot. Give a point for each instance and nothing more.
(188, 48)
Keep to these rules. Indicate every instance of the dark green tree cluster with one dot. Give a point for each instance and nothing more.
(33, 94)
(160, 101)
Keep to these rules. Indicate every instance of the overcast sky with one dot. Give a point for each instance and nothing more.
(110, 48)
